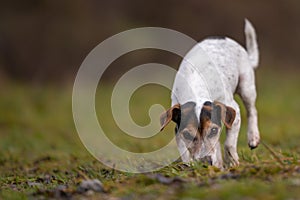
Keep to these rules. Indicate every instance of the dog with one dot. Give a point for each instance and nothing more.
(203, 99)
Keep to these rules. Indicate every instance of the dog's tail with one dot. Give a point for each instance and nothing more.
(251, 44)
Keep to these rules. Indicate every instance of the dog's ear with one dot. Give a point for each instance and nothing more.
(171, 114)
(227, 114)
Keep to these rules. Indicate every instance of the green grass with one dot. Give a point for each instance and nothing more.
(40, 149)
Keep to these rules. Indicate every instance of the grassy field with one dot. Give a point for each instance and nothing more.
(41, 155)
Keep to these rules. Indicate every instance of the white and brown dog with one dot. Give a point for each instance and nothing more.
(203, 97)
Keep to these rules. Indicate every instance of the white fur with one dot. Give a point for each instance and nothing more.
(214, 70)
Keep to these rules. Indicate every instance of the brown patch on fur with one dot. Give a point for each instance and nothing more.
(228, 114)
(188, 118)
(210, 114)
(183, 115)
(171, 114)
(208, 108)
(205, 124)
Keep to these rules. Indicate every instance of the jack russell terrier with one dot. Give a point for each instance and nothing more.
(203, 99)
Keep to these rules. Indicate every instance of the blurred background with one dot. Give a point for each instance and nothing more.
(45, 41)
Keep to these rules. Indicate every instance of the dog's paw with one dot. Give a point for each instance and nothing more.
(231, 158)
(253, 142)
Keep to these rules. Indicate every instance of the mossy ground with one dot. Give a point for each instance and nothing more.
(40, 149)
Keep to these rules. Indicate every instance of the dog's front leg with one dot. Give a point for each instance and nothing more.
(219, 160)
(231, 157)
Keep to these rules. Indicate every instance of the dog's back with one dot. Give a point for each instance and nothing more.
(214, 65)
(226, 56)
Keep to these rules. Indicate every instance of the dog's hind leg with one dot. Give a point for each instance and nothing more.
(247, 91)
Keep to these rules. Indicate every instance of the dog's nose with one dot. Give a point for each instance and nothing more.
(207, 160)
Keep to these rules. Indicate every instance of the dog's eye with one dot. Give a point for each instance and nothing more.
(213, 132)
(187, 135)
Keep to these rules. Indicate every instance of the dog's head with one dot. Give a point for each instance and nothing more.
(199, 134)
